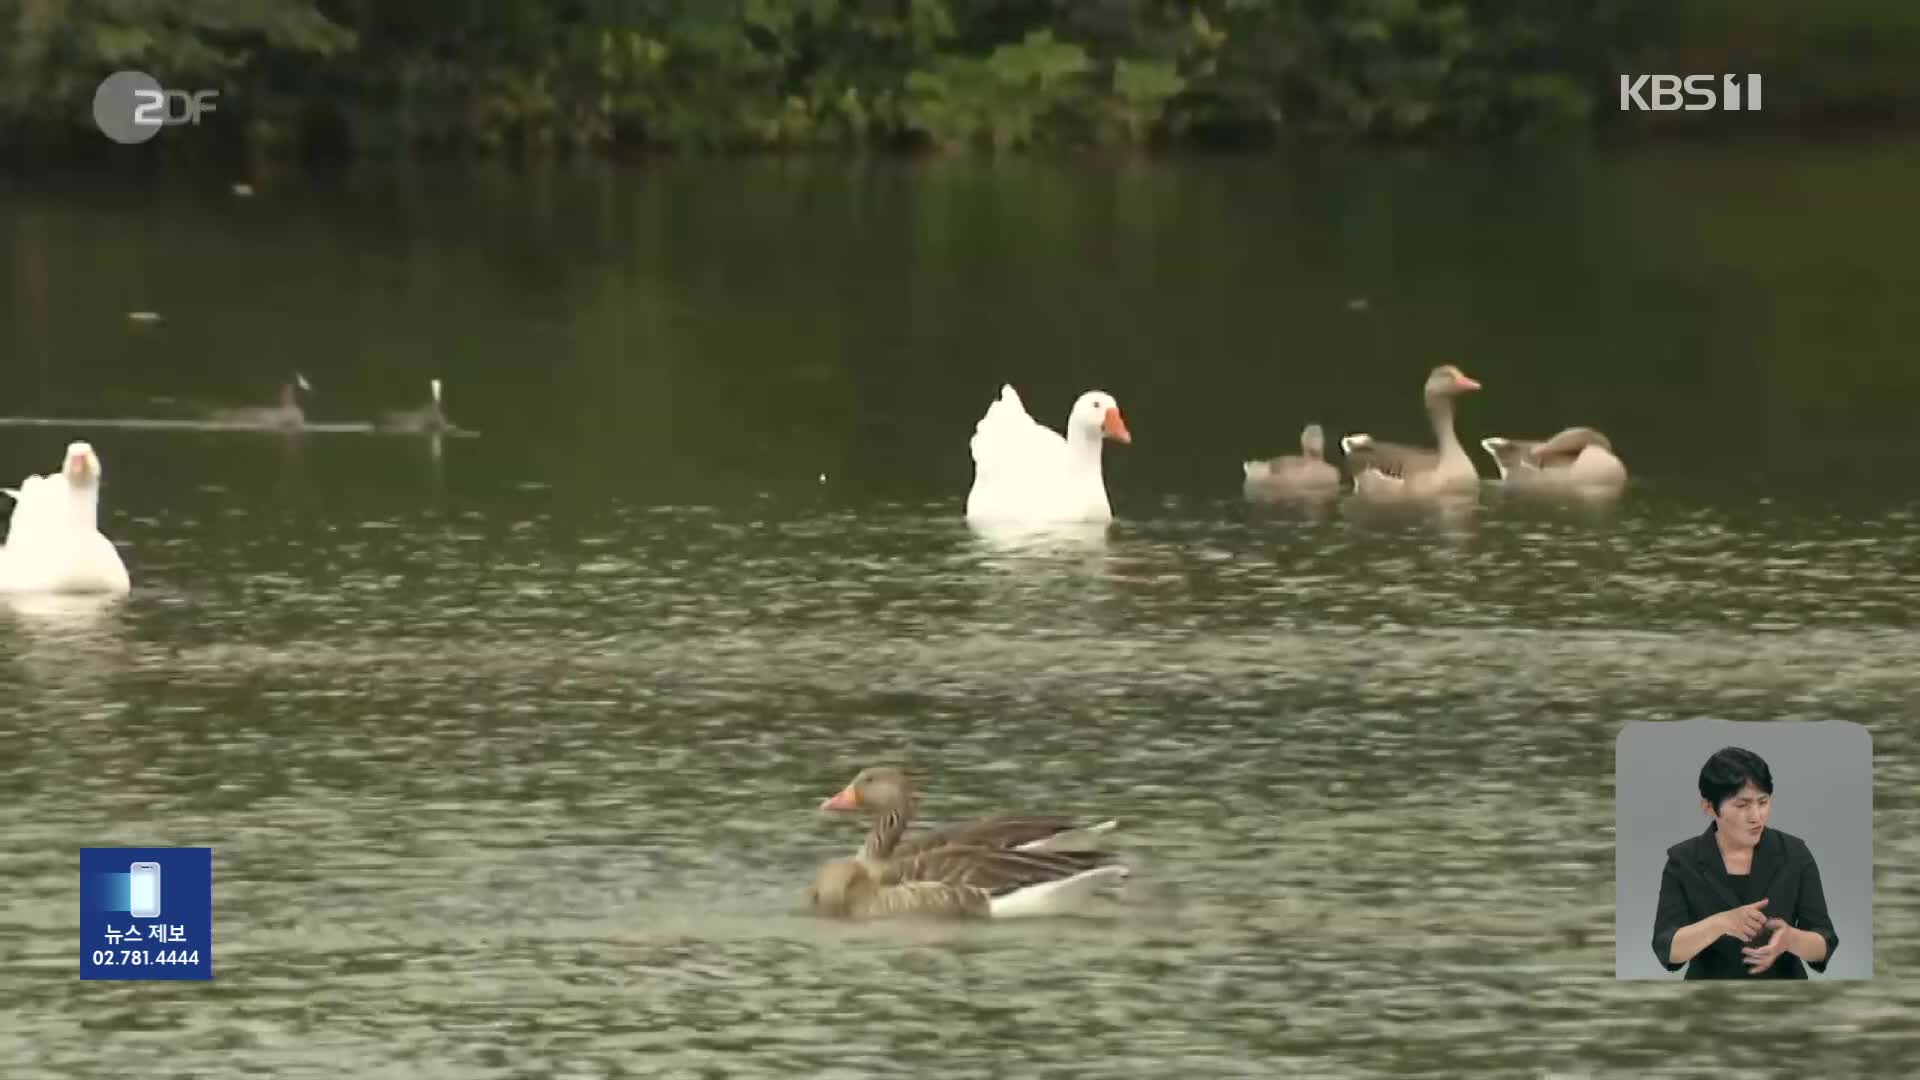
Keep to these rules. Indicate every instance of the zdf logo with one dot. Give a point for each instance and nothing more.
(1666, 92)
(132, 106)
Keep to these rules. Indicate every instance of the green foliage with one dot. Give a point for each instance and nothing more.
(1003, 99)
(489, 76)
(1141, 90)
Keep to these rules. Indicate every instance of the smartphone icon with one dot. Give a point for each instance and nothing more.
(143, 890)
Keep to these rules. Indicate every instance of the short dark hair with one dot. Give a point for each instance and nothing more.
(1731, 769)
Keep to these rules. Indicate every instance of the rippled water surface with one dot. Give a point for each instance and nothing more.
(508, 749)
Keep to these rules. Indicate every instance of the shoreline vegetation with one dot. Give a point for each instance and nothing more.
(354, 79)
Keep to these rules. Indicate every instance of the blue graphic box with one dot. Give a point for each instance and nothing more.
(146, 913)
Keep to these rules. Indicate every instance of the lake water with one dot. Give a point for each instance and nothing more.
(508, 748)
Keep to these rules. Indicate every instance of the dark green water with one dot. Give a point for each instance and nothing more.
(508, 747)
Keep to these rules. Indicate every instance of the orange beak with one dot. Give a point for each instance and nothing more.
(848, 799)
(1114, 427)
(77, 466)
(1463, 382)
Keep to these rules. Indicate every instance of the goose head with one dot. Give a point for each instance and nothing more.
(1447, 381)
(876, 789)
(1097, 415)
(1313, 441)
(82, 465)
(434, 385)
(290, 392)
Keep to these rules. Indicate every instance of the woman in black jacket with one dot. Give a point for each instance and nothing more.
(1741, 900)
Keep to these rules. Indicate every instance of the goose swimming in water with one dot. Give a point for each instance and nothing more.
(426, 418)
(1305, 473)
(962, 882)
(1393, 469)
(888, 796)
(1574, 459)
(1025, 472)
(53, 542)
(286, 416)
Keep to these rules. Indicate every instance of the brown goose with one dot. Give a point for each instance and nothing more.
(286, 416)
(888, 794)
(426, 418)
(1390, 469)
(1575, 458)
(1305, 473)
(967, 882)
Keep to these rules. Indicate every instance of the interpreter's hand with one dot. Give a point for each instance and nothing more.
(1744, 922)
(1760, 958)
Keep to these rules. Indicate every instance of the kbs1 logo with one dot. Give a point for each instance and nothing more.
(1694, 93)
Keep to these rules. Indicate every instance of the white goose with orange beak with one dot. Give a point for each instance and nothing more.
(1025, 472)
(53, 542)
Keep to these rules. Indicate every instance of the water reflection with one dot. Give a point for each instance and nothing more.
(65, 643)
(486, 765)
(1010, 543)
(72, 617)
(1450, 515)
(1592, 503)
(1311, 505)
(519, 779)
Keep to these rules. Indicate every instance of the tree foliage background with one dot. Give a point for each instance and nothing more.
(369, 77)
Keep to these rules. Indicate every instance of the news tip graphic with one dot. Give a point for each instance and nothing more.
(146, 913)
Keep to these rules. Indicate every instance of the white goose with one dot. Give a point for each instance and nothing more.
(53, 542)
(1025, 472)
